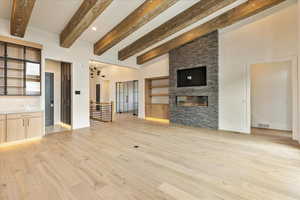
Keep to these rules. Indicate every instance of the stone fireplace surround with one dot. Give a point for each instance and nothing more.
(200, 52)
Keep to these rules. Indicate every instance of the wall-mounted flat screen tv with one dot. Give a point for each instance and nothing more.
(192, 77)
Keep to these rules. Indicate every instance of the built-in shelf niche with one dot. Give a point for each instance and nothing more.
(157, 97)
(20, 68)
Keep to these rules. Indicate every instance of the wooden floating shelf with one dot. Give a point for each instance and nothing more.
(159, 95)
(23, 60)
(21, 78)
(12, 68)
(158, 104)
(20, 60)
(11, 86)
(159, 86)
(33, 79)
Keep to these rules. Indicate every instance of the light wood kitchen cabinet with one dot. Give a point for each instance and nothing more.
(34, 127)
(22, 126)
(15, 130)
(2, 129)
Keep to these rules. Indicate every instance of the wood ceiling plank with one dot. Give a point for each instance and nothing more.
(20, 15)
(245, 10)
(139, 17)
(81, 20)
(191, 15)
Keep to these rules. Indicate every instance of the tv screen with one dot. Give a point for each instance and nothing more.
(191, 77)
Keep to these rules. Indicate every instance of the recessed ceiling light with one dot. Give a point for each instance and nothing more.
(94, 28)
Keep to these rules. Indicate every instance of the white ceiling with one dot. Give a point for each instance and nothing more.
(48, 15)
(53, 15)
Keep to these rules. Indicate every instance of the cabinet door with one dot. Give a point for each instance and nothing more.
(16, 130)
(34, 127)
(2, 131)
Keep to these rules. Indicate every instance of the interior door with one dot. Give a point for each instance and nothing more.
(135, 98)
(66, 100)
(49, 99)
(98, 88)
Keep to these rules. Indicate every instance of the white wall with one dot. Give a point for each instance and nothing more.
(79, 55)
(297, 134)
(104, 89)
(269, 36)
(105, 93)
(55, 68)
(271, 95)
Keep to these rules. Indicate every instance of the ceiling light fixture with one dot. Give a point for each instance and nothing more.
(94, 28)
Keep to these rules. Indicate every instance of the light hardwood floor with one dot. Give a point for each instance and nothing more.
(171, 163)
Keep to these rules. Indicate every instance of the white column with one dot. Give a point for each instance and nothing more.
(297, 135)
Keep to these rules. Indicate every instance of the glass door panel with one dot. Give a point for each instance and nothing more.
(33, 79)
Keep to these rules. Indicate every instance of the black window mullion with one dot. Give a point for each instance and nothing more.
(24, 72)
(5, 68)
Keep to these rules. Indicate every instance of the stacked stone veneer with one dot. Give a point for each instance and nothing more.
(200, 52)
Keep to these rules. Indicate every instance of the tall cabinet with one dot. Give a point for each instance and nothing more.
(20, 75)
(20, 68)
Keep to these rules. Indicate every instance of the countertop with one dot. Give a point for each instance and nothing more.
(31, 110)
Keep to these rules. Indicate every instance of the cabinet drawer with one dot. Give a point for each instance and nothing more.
(24, 115)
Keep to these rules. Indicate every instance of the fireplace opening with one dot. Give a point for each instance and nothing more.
(192, 101)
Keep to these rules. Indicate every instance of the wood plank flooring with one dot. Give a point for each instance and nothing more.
(169, 163)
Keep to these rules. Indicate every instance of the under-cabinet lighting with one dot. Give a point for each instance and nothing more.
(158, 120)
(10, 144)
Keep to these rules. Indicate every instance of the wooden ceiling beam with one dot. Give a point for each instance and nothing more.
(88, 11)
(245, 10)
(139, 17)
(20, 15)
(191, 15)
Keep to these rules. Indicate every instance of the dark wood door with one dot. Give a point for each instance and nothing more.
(98, 88)
(66, 98)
